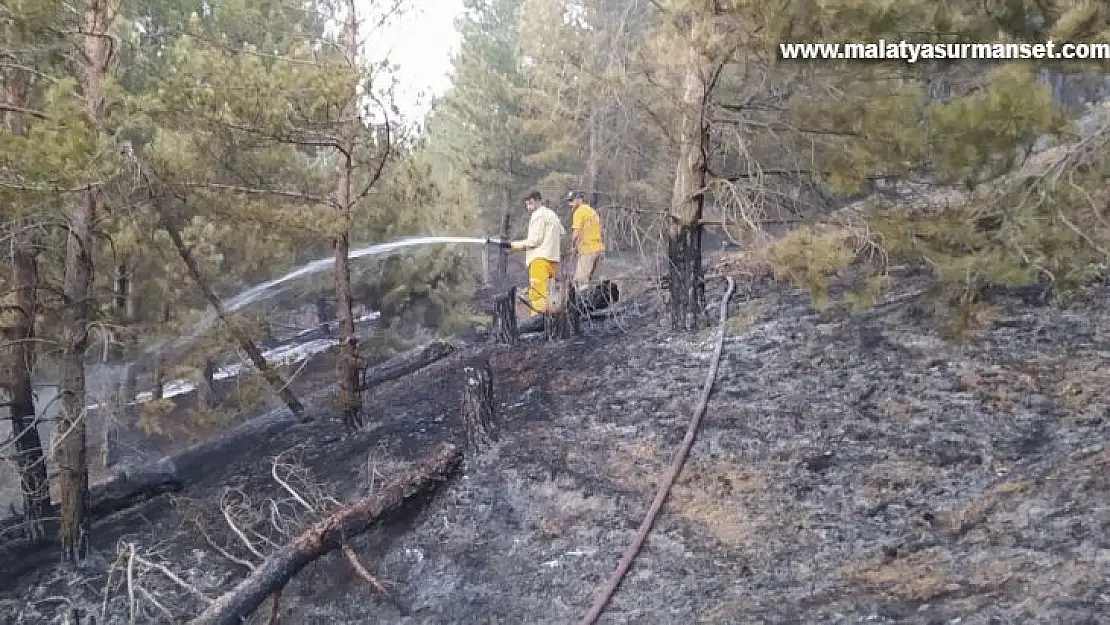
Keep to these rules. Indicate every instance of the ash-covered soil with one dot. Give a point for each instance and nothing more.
(851, 468)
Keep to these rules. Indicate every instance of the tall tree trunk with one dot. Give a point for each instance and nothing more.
(324, 315)
(502, 253)
(121, 287)
(73, 468)
(273, 378)
(127, 382)
(687, 286)
(350, 400)
(159, 382)
(206, 390)
(17, 331)
(17, 325)
(588, 182)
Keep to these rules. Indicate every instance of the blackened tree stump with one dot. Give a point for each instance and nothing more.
(478, 410)
(504, 318)
(561, 321)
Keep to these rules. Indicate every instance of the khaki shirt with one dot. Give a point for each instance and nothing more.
(545, 232)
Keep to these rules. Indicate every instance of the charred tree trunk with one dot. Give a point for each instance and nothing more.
(324, 314)
(479, 413)
(326, 535)
(588, 182)
(502, 253)
(17, 330)
(131, 374)
(504, 318)
(271, 375)
(206, 391)
(71, 430)
(17, 325)
(686, 280)
(561, 320)
(159, 383)
(350, 401)
(121, 288)
(73, 466)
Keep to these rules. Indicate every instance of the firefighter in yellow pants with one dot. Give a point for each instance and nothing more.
(541, 248)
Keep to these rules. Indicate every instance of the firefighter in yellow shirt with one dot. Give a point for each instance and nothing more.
(586, 240)
(542, 247)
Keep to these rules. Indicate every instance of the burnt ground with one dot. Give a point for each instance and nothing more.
(851, 468)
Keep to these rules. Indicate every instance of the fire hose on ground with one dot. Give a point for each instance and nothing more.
(610, 587)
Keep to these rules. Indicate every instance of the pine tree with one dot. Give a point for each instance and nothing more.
(976, 206)
(479, 121)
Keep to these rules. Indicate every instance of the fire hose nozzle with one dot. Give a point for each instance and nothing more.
(499, 242)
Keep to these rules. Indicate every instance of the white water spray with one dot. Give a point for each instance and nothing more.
(266, 290)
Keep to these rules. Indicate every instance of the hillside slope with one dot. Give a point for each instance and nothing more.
(851, 468)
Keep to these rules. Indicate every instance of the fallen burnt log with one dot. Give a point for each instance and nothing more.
(232, 441)
(404, 364)
(327, 535)
(133, 484)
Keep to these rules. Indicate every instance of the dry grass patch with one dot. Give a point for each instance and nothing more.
(919, 576)
(1001, 388)
(736, 507)
(962, 519)
(560, 506)
(1084, 383)
(899, 408)
(744, 319)
(894, 474)
(636, 465)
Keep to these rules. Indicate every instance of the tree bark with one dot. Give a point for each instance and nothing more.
(325, 536)
(73, 467)
(561, 320)
(159, 382)
(350, 401)
(502, 253)
(404, 364)
(479, 412)
(686, 281)
(504, 328)
(17, 354)
(271, 375)
(687, 287)
(588, 182)
(206, 391)
(17, 325)
(324, 314)
(71, 430)
(121, 284)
